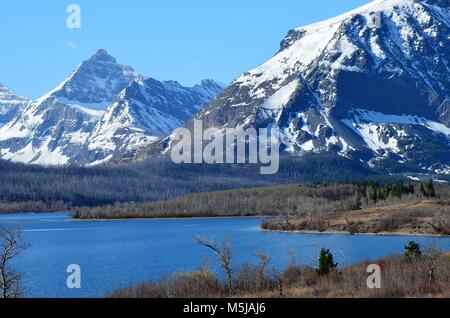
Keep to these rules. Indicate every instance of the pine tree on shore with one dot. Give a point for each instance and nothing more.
(431, 190)
(412, 251)
(326, 263)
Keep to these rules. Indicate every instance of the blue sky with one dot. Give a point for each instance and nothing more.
(184, 40)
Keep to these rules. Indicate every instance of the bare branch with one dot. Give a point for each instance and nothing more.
(264, 260)
(10, 247)
(224, 255)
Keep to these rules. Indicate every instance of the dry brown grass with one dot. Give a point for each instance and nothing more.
(427, 276)
(418, 217)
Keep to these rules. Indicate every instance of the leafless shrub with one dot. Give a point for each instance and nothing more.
(197, 284)
(441, 224)
(426, 276)
(353, 227)
(391, 223)
(264, 260)
(200, 283)
(224, 254)
(10, 247)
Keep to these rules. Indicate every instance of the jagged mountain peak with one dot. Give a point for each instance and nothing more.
(5, 89)
(102, 56)
(145, 111)
(145, 101)
(102, 110)
(7, 95)
(95, 82)
(405, 31)
(370, 12)
(209, 82)
(210, 86)
(372, 84)
(11, 104)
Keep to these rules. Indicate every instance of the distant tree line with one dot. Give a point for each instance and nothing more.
(428, 191)
(35, 188)
(285, 200)
(314, 201)
(372, 192)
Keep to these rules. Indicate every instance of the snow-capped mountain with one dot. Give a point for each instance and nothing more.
(103, 109)
(372, 84)
(95, 83)
(144, 111)
(10, 104)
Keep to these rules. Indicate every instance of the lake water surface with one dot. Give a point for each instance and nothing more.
(115, 254)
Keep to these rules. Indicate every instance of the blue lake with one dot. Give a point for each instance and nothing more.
(114, 254)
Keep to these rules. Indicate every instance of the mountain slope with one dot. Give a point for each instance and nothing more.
(103, 109)
(95, 83)
(145, 111)
(372, 84)
(10, 104)
(52, 129)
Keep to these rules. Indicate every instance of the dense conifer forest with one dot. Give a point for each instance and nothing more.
(25, 188)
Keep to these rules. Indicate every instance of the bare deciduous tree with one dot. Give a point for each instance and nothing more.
(224, 254)
(10, 247)
(292, 258)
(264, 260)
(433, 257)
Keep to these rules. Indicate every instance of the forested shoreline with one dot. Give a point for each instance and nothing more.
(358, 207)
(263, 201)
(412, 209)
(28, 188)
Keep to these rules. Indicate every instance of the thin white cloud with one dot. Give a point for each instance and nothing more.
(71, 45)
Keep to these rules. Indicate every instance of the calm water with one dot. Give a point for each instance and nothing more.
(114, 254)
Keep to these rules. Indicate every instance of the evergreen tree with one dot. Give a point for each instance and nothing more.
(398, 189)
(374, 196)
(326, 263)
(423, 193)
(388, 189)
(382, 195)
(412, 251)
(431, 190)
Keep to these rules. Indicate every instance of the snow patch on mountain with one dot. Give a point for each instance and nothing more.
(382, 132)
(281, 97)
(147, 110)
(102, 110)
(361, 116)
(372, 84)
(10, 104)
